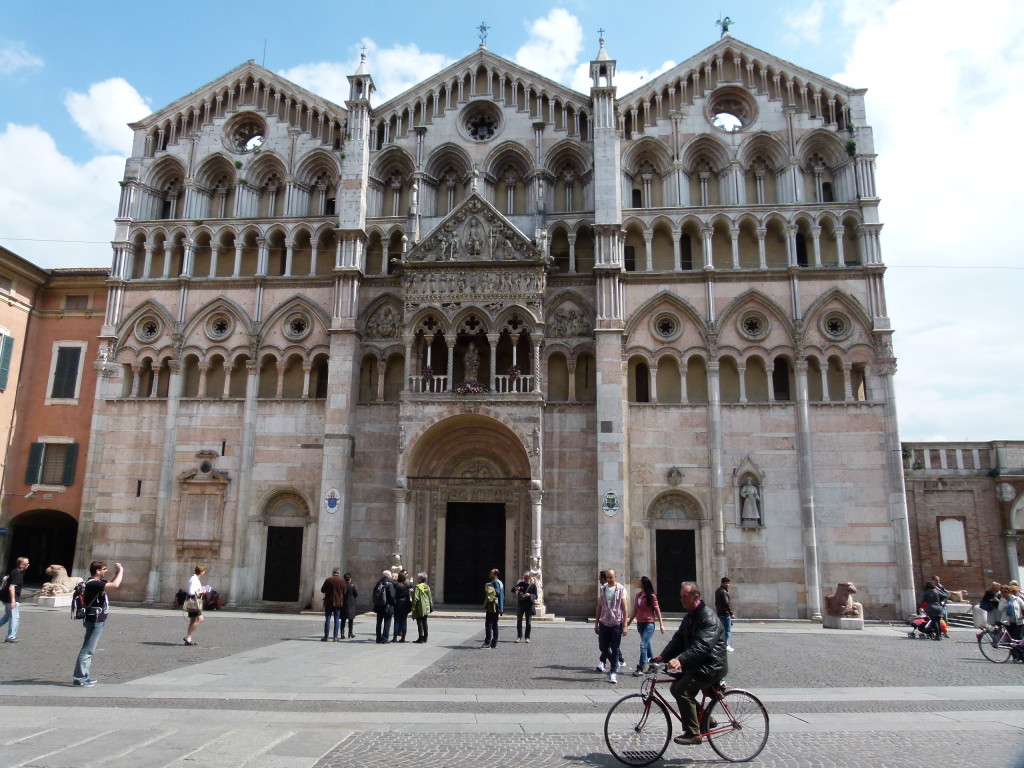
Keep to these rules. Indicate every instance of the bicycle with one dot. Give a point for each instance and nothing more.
(997, 646)
(638, 727)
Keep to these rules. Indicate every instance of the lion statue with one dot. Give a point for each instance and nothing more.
(841, 603)
(957, 595)
(60, 583)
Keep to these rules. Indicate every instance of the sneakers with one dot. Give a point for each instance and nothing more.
(85, 683)
(324, 639)
(527, 639)
(486, 645)
(612, 678)
(618, 668)
(599, 668)
(684, 739)
(729, 648)
(519, 640)
(11, 640)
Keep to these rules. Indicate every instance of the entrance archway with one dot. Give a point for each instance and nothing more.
(46, 537)
(287, 547)
(468, 506)
(679, 532)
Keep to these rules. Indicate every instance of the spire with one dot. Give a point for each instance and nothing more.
(602, 54)
(361, 85)
(362, 62)
(602, 66)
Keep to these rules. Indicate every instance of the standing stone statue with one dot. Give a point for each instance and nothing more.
(471, 362)
(751, 511)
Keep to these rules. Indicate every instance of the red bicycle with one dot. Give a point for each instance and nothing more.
(638, 728)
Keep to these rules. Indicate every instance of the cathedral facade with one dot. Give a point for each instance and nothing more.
(498, 323)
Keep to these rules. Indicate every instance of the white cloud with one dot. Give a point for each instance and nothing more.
(14, 56)
(948, 199)
(45, 196)
(554, 46)
(806, 24)
(394, 70)
(105, 111)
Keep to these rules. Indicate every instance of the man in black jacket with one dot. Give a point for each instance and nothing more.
(697, 652)
(384, 606)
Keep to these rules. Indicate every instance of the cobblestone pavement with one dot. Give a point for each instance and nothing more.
(262, 691)
(890, 750)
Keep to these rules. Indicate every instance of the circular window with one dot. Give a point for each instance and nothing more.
(666, 326)
(481, 121)
(730, 109)
(205, 467)
(147, 329)
(753, 325)
(297, 326)
(218, 326)
(246, 133)
(836, 325)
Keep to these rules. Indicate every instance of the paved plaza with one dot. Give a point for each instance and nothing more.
(262, 690)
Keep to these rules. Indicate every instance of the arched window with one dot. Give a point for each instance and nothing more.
(639, 382)
(781, 380)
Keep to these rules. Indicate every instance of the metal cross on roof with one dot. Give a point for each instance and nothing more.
(482, 29)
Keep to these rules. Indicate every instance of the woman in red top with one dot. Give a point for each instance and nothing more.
(645, 611)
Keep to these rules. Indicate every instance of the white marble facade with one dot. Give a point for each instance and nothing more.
(495, 322)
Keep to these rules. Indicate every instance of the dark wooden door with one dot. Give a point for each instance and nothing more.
(474, 544)
(676, 557)
(284, 564)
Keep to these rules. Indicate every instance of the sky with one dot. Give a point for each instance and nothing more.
(940, 76)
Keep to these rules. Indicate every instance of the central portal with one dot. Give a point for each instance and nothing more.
(474, 544)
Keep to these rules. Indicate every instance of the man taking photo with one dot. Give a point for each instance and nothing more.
(697, 654)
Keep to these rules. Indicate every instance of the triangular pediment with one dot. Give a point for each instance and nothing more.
(728, 48)
(474, 231)
(500, 66)
(249, 72)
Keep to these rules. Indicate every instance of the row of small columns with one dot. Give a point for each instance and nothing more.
(124, 258)
(251, 369)
(492, 339)
(741, 368)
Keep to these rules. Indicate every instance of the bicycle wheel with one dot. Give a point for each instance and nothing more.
(742, 728)
(637, 730)
(992, 648)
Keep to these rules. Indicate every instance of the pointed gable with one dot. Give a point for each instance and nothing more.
(474, 231)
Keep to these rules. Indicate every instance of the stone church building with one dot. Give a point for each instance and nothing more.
(496, 322)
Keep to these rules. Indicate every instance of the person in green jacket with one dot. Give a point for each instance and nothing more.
(422, 606)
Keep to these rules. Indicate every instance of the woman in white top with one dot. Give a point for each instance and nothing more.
(195, 589)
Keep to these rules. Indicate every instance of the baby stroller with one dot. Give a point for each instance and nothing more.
(926, 626)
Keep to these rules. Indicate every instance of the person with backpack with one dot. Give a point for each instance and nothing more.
(494, 606)
(94, 596)
(610, 622)
(526, 591)
(11, 592)
(350, 603)
(403, 604)
(422, 606)
(384, 606)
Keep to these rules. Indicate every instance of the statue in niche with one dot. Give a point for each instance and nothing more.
(750, 513)
(471, 362)
(474, 239)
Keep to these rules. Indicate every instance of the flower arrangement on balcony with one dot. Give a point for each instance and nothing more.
(428, 374)
(470, 388)
(514, 374)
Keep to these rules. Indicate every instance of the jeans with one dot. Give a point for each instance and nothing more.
(330, 613)
(491, 629)
(520, 613)
(608, 640)
(727, 624)
(11, 615)
(646, 631)
(93, 630)
(384, 625)
(401, 624)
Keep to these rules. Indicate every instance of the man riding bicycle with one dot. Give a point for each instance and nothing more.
(697, 652)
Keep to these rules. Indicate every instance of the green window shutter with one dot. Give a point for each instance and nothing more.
(6, 350)
(66, 376)
(70, 460)
(35, 461)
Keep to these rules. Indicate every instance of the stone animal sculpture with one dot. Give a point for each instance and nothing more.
(60, 583)
(958, 596)
(841, 603)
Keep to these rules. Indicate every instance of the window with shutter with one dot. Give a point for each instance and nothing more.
(6, 351)
(65, 370)
(52, 464)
